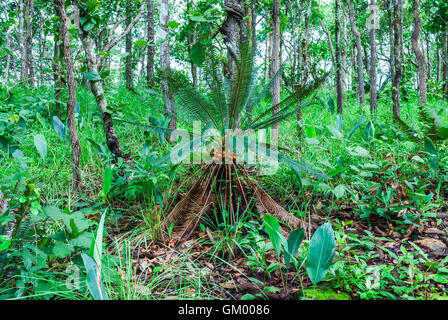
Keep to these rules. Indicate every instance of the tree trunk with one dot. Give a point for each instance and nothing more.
(74, 141)
(150, 53)
(128, 66)
(445, 63)
(57, 70)
(29, 42)
(418, 53)
(275, 64)
(339, 72)
(230, 30)
(373, 75)
(8, 55)
(344, 50)
(21, 36)
(191, 42)
(438, 65)
(165, 63)
(97, 89)
(360, 77)
(397, 56)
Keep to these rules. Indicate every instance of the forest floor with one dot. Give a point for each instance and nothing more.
(387, 204)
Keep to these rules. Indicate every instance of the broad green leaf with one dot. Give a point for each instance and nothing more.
(92, 76)
(96, 248)
(59, 127)
(41, 145)
(107, 182)
(141, 43)
(62, 250)
(320, 253)
(275, 234)
(94, 282)
(173, 24)
(339, 191)
(294, 240)
(197, 54)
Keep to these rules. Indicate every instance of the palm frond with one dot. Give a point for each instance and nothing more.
(242, 83)
(191, 98)
(409, 131)
(301, 92)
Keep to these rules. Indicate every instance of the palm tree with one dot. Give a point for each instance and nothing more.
(226, 183)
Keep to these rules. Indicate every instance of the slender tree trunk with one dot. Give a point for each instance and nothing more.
(397, 56)
(344, 50)
(373, 75)
(29, 42)
(128, 66)
(150, 53)
(191, 40)
(357, 36)
(21, 36)
(445, 63)
(438, 65)
(230, 30)
(8, 55)
(330, 42)
(428, 62)
(74, 141)
(97, 89)
(57, 70)
(275, 64)
(339, 72)
(165, 63)
(418, 53)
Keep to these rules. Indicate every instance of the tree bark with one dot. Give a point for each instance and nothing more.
(8, 55)
(128, 66)
(344, 50)
(357, 36)
(21, 36)
(74, 141)
(165, 63)
(97, 89)
(230, 30)
(418, 53)
(57, 71)
(338, 64)
(373, 71)
(191, 40)
(397, 56)
(275, 65)
(150, 53)
(445, 63)
(29, 42)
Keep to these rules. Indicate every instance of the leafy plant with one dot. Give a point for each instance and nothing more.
(320, 253)
(226, 107)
